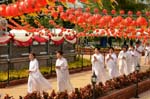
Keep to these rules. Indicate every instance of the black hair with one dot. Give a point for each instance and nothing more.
(97, 48)
(138, 42)
(111, 48)
(60, 52)
(125, 46)
(34, 55)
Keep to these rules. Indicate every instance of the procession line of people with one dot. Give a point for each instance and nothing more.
(124, 64)
(128, 58)
(36, 81)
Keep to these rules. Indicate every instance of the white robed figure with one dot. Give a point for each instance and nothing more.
(123, 61)
(133, 59)
(36, 81)
(147, 54)
(111, 63)
(98, 67)
(138, 51)
(63, 80)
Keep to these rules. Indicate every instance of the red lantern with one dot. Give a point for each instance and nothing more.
(60, 8)
(86, 15)
(138, 13)
(3, 10)
(14, 8)
(72, 1)
(113, 11)
(147, 13)
(80, 19)
(69, 11)
(119, 18)
(122, 12)
(72, 18)
(54, 14)
(30, 5)
(141, 21)
(130, 13)
(87, 9)
(23, 6)
(104, 11)
(96, 10)
(127, 21)
(77, 13)
(8, 10)
(107, 18)
(63, 15)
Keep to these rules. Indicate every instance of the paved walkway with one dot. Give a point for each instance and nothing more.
(145, 95)
(78, 80)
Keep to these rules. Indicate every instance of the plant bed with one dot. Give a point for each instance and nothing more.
(24, 80)
(128, 92)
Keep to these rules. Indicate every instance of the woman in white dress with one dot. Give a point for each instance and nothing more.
(133, 58)
(36, 82)
(138, 51)
(63, 80)
(123, 61)
(147, 54)
(111, 63)
(98, 67)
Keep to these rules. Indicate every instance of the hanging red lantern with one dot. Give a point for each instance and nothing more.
(72, 18)
(8, 10)
(2, 10)
(54, 14)
(70, 11)
(22, 6)
(63, 16)
(138, 13)
(122, 12)
(30, 5)
(141, 21)
(127, 21)
(113, 11)
(87, 9)
(86, 15)
(104, 11)
(130, 13)
(60, 9)
(77, 13)
(14, 8)
(147, 13)
(42, 2)
(72, 1)
(107, 18)
(96, 10)
(80, 19)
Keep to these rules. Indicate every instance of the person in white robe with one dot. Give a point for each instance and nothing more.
(123, 61)
(36, 81)
(147, 54)
(98, 67)
(111, 63)
(133, 58)
(63, 80)
(138, 51)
